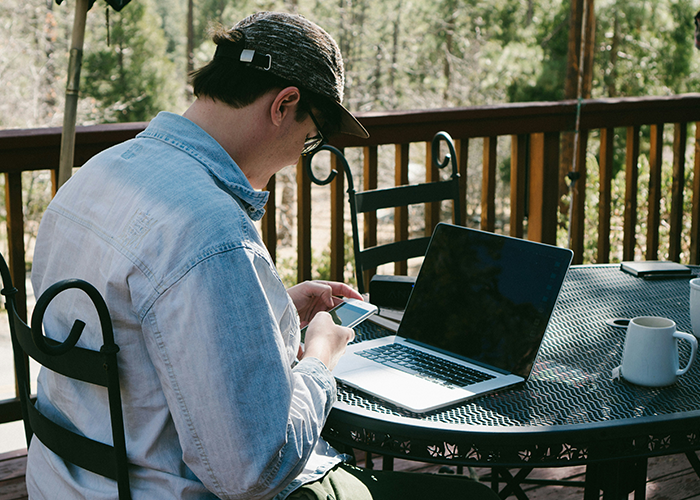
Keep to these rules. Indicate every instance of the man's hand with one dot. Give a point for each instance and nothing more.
(311, 297)
(325, 340)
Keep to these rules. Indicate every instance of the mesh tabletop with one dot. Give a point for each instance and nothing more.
(571, 386)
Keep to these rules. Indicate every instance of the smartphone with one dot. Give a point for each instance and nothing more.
(349, 313)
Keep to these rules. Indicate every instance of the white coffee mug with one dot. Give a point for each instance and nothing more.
(650, 356)
(695, 306)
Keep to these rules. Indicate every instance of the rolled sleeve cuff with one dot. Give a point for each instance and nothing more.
(315, 369)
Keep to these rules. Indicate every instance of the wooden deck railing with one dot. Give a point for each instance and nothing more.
(534, 129)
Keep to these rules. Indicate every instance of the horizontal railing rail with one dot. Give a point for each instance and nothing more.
(535, 131)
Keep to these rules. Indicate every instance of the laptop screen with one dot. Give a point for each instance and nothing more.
(485, 297)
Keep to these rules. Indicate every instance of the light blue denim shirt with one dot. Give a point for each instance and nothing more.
(162, 225)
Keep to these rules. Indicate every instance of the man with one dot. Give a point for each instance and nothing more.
(219, 401)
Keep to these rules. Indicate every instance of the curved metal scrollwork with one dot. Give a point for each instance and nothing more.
(451, 157)
(334, 151)
(61, 348)
(351, 192)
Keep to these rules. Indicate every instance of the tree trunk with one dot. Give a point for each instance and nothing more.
(612, 76)
(190, 42)
(578, 84)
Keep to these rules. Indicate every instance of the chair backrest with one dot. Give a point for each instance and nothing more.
(368, 258)
(94, 367)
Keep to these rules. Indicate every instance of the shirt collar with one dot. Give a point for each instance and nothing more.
(185, 135)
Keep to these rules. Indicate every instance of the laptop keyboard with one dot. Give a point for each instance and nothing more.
(424, 365)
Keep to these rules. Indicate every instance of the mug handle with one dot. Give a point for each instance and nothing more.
(693, 349)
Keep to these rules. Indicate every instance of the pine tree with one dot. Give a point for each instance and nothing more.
(132, 78)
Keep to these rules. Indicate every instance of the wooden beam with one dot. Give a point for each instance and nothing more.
(518, 183)
(369, 182)
(338, 220)
(401, 213)
(15, 244)
(680, 140)
(432, 174)
(656, 146)
(462, 149)
(15, 239)
(605, 162)
(544, 193)
(578, 199)
(269, 220)
(629, 239)
(488, 184)
(695, 209)
(304, 221)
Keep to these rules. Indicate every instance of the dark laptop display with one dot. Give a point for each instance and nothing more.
(485, 299)
(473, 324)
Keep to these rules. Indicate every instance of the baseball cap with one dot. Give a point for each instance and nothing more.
(294, 48)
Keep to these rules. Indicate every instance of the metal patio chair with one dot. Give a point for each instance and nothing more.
(65, 358)
(399, 196)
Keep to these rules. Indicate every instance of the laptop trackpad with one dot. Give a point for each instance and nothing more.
(407, 390)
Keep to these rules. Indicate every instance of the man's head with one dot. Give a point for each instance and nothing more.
(271, 50)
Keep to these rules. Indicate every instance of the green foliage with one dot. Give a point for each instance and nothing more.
(645, 48)
(399, 54)
(132, 78)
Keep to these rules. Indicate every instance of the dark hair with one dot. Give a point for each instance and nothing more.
(239, 85)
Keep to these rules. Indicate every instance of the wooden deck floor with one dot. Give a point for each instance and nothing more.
(669, 478)
(12, 467)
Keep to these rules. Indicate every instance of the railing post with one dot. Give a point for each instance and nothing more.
(15, 246)
(15, 239)
(432, 174)
(607, 138)
(544, 187)
(338, 220)
(680, 140)
(303, 222)
(488, 185)
(462, 147)
(369, 181)
(695, 210)
(269, 220)
(518, 183)
(656, 145)
(578, 199)
(401, 213)
(631, 176)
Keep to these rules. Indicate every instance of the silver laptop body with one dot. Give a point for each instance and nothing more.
(481, 302)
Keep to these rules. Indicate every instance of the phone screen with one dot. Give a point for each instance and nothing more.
(344, 314)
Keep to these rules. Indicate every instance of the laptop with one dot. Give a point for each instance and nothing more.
(473, 323)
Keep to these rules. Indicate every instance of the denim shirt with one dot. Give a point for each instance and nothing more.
(163, 226)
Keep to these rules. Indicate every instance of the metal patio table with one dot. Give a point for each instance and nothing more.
(570, 412)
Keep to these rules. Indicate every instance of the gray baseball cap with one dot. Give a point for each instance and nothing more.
(292, 47)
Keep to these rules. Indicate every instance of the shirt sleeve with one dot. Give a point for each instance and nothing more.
(247, 422)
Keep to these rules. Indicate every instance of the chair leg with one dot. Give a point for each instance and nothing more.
(694, 461)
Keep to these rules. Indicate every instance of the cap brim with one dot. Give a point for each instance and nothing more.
(350, 125)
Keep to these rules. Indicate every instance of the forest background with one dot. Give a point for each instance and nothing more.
(399, 54)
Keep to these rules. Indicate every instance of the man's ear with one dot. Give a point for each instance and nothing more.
(284, 104)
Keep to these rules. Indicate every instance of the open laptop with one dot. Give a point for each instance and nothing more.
(480, 306)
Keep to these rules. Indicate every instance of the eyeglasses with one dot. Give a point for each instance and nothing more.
(313, 143)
